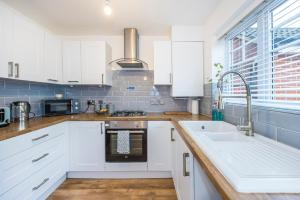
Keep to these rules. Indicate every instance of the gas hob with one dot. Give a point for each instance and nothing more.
(128, 113)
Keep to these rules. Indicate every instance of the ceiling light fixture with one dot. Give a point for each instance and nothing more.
(107, 8)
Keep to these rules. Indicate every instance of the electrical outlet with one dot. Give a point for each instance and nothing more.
(131, 88)
(91, 102)
(161, 102)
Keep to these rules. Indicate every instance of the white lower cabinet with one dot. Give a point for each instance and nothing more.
(87, 146)
(36, 164)
(204, 189)
(183, 169)
(159, 146)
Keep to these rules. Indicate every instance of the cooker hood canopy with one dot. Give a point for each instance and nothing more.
(131, 59)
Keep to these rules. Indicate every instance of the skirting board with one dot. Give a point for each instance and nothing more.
(119, 175)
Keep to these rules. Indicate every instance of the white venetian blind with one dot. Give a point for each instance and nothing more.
(266, 49)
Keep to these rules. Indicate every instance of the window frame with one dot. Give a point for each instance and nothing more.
(262, 15)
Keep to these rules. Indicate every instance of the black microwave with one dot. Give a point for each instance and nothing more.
(54, 107)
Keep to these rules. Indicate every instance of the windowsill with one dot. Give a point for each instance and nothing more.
(293, 109)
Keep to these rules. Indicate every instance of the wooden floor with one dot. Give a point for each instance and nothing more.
(110, 189)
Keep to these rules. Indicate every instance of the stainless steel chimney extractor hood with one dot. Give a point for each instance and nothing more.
(131, 59)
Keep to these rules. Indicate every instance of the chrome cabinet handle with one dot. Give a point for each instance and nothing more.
(172, 134)
(112, 132)
(10, 69)
(41, 137)
(185, 172)
(102, 78)
(17, 68)
(171, 78)
(73, 81)
(101, 128)
(41, 184)
(39, 158)
(53, 80)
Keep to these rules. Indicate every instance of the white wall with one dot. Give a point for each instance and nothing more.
(146, 50)
(227, 14)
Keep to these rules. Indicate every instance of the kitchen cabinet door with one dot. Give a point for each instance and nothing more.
(28, 49)
(184, 171)
(53, 59)
(204, 188)
(6, 41)
(162, 63)
(87, 146)
(72, 62)
(174, 157)
(159, 146)
(187, 62)
(95, 56)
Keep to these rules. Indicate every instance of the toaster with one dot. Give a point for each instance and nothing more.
(4, 116)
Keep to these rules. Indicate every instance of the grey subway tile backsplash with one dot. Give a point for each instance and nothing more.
(279, 125)
(289, 137)
(132, 90)
(280, 119)
(265, 130)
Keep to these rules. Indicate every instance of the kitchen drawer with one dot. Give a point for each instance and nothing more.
(18, 167)
(22, 191)
(47, 152)
(14, 145)
(45, 134)
(20, 143)
(45, 178)
(34, 186)
(15, 169)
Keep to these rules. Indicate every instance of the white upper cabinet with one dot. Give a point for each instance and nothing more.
(6, 40)
(159, 146)
(180, 62)
(28, 49)
(85, 62)
(52, 71)
(95, 56)
(72, 62)
(187, 62)
(162, 63)
(22, 46)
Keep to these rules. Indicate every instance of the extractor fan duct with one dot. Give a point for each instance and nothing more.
(131, 59)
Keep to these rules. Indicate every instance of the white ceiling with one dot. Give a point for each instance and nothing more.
(151, 17)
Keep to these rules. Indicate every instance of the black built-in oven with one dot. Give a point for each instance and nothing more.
(137, 141)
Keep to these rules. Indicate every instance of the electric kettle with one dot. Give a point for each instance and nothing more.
(20, 111)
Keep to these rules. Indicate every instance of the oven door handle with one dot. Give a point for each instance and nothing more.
(129, 131)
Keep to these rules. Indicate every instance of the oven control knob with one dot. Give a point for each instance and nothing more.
(76, 103)
(76, 108)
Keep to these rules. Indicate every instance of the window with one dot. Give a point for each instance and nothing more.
(265, 48)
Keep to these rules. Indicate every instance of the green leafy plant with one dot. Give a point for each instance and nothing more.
(219, 67)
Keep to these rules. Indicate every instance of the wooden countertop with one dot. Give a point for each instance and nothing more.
(219, 181)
